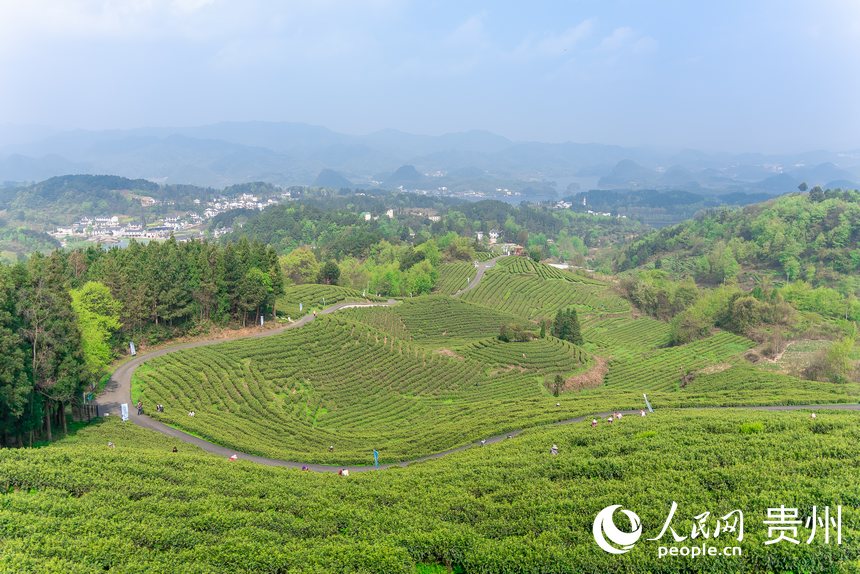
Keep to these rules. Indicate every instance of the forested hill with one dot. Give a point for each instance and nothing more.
(811, 236)
(71, 189)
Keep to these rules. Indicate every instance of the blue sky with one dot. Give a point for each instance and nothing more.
(729, 75)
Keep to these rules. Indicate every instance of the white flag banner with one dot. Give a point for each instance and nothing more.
(124, 408)
(131, 348)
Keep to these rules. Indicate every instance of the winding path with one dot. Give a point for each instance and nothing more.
(118, 391)
(482, 268)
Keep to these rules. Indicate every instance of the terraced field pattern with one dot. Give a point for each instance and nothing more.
(532, 290)
(430, 373)
(312, 297)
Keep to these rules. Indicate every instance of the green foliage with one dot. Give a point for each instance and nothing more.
(436, 321)
(314, 296)
(336, 382)
(515, 332)
(819, 230)
(752, 427)
(658, 370)
(834, 363)
(300, 266)
(566, 326)
(655, 293)
(508, 507)
(533, 290)
(453, 277)
(329, 273)
(98, 316)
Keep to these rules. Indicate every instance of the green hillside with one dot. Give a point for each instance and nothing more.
(337, 382)
(534, 290)
(812, 236)
(78, 506)
(436, 321)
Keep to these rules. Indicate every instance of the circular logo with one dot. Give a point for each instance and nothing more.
(604, 528)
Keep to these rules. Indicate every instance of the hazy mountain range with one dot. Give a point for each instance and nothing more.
(293, 153)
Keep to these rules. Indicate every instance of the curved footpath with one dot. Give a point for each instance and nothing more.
(118, 391)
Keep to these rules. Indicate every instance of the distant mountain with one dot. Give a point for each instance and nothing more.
(405, 175)
(286, 153)
(778, 184)
(628, 174)
(821, 174)
(332, 179)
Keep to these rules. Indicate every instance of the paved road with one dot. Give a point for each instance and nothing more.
(481, 269)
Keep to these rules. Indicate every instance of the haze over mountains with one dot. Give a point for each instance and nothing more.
(300, 154)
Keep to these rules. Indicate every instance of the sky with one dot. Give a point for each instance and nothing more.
(753, 75)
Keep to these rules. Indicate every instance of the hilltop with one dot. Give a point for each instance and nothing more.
(811, 236)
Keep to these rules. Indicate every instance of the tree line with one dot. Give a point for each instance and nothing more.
(62, 316)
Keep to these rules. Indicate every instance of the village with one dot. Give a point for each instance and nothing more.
(110, 229)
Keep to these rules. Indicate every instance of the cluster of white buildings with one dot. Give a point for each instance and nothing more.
(244, 201)
(107, 228)
(492, 236)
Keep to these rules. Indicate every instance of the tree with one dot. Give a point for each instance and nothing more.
(833, 364)
(50, 330)
(253, 292)
(557, 385)
(329, 274)
(566, 326)
(301, 266)
(98, 319)
(15, 385)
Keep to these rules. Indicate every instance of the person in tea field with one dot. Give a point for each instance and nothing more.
(642, 413)
(175, 449)
(140, 407)
(554, 450)
(593, 423)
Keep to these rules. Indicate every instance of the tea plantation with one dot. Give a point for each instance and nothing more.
(79, 506)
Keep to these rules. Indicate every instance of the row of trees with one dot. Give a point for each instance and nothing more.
(63, 316)
(388, 269)
(169, 288)
(42, 367)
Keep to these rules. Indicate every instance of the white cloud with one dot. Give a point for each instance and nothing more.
(625, 38)
(554, 45)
